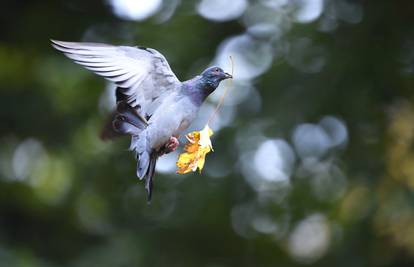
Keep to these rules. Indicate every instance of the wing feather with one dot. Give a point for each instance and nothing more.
(141, 74)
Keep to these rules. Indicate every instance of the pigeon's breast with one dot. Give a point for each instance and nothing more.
(170, 119)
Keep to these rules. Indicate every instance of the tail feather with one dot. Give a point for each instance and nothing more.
(140, 145)
(129, 121)
(150, 175)
(143, 163)
(146, 161)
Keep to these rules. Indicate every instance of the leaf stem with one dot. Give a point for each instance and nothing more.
(226, 90)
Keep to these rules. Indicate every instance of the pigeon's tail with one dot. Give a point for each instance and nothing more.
(150, 174)
(129, 121)
(146, 160)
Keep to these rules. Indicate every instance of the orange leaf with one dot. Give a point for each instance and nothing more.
(199, 144)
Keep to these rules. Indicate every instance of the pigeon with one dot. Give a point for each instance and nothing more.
(153, 106)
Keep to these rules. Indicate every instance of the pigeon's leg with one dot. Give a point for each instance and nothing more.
(170, 146)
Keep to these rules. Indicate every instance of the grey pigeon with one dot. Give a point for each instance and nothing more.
(153, 106)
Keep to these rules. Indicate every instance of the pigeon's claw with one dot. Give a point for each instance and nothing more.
(170, 146)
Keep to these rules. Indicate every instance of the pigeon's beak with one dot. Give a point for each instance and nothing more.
(227, 76)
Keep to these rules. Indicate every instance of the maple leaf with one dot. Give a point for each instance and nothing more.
(199, 144)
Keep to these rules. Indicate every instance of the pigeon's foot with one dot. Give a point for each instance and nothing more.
(170, 146)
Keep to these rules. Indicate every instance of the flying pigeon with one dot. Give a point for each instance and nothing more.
(153, 106)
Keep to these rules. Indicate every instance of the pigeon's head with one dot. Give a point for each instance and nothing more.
(214, 75)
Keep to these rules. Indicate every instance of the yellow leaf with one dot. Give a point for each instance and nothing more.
(199, 144)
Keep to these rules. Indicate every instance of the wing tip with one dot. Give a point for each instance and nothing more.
(56, 42)
(58, 45)
(63, 44)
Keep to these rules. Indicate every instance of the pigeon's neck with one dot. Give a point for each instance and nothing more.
(198, 89)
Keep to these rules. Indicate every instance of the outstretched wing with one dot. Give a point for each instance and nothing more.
(142, 75)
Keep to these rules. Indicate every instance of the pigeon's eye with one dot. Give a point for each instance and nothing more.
(216, 69)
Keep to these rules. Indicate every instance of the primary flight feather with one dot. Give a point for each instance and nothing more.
(153, 106)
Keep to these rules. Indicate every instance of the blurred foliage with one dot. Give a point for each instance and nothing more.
(314, 165)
